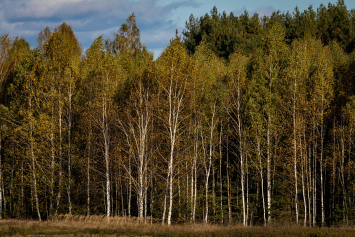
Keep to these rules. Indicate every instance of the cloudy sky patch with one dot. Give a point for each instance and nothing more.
(157, 19)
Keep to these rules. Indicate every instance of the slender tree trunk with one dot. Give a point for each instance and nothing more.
(206, 196)
(310, 187)
(242, 184)
(22, 186)
(314, 172)
(193, 176)
(60, 157)
(106, 153)
(69, 146)
(33, 161)
(130, 186)
(208, 163)
(228, 186)
(342, 161)
(303, 185)
(262, 178)
(88, 172)
(268, 169)
(3, 194)
(171, 182)
(152, 198)
(117, 211)
(11, 186)
(121, 191)
(179, 194)
(140, 188)
(52, 162)
(195, 193)
(295, 149)
(187, 191)
(220, 171)
(192, 191)
(214, 192)
(349, 162)
(145, 196)
(175, 92)
(165, 198)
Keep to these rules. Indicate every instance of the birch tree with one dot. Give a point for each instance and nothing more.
(238, 83)
(173, 77)
(136, 122)
(211, 95)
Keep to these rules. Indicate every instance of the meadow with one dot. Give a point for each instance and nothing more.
(98, 226)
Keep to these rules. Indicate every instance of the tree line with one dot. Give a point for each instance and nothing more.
(242, 120)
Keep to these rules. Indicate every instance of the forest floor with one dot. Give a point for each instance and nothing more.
(121, 227)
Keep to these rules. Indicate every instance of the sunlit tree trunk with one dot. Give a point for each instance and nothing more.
(33, 161)
(194, 175)
(303, 183)
(220, 172)
(268, 168)
(60, 155)
(261, 177)
(208, 157)
(321, 160)
(310, 186)
(52, 154)
(342, 161)
(349, 162)
(314, 191)
(105, 133)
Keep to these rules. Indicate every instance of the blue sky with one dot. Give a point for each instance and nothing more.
(156, 19)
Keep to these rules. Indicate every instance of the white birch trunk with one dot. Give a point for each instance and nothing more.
(52, 153)
(33, 160)
(60, 156)
(321, 162)
(193, 176)
(208, 162)
(106, 153)
(261, 178)
(303, 185)
(175, 93)
(314, 191)
(342, 161)
(268, 170)
(228, 186)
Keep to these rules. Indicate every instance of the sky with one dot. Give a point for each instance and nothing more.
(156, 19)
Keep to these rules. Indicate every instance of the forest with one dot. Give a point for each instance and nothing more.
(244, 120)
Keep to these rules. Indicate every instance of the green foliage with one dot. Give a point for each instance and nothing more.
(242, 92)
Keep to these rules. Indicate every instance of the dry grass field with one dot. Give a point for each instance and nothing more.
(98, 226)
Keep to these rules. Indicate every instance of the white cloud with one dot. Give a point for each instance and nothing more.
(91, 18)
